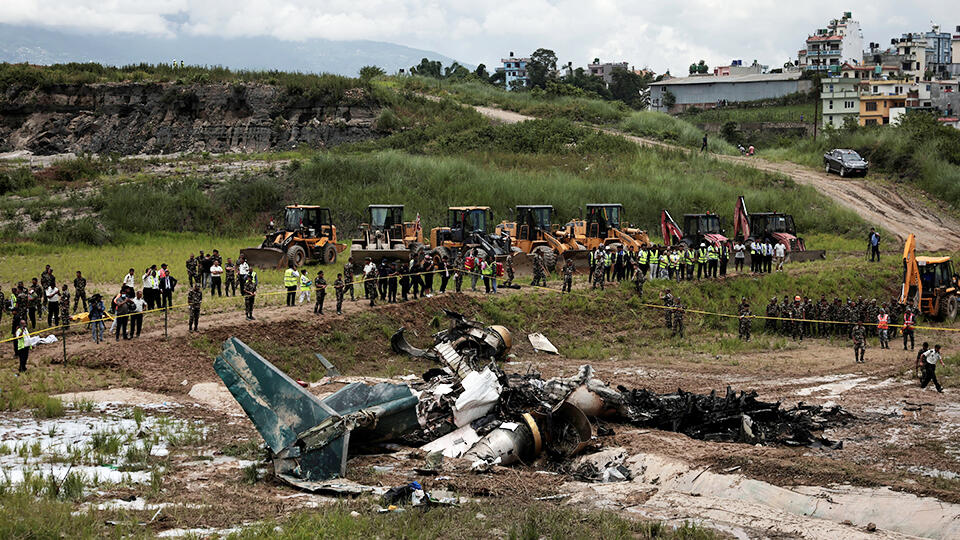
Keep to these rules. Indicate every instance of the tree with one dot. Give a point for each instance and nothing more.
(455, 71)
(368, 73)
(498, 78)
(481, 72)
(700, 67)
(542, 67)
(583, 80)
(669, 100)
(629, 87)
(427, 68)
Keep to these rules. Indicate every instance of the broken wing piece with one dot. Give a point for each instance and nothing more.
(309, 437)
(400, 345)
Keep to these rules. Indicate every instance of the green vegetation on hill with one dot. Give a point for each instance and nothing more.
(663, 127)
(769, 113)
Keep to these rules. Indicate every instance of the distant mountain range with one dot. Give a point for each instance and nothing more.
(45, 46)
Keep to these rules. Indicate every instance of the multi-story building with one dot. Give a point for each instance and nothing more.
(839, 43)
(515, 72)
(840, 99)
(912, 50)
(939, 49)
(867, 72)
(882, 101)
(605, 69)
(955, 46)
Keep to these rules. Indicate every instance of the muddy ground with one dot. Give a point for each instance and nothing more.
(901, 450)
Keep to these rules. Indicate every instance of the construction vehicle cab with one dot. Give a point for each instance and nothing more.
(386, 236)
(929, 284)
(468, 227)
(774, 227)
(308, 234)
(697, 229)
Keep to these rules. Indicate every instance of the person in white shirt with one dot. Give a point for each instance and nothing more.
(136, 320)
(130, 280)
(930, 360)
(216, 278)
(53, 305)
(738, 256)
(151, 287)
(243, 271)
(780, 252)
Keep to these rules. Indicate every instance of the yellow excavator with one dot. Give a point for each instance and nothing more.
(929, 283)
(604, 226)
(307, 234)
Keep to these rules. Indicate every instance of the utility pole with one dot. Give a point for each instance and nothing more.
(816, 115)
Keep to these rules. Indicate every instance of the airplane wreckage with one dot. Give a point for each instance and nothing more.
(467, 407)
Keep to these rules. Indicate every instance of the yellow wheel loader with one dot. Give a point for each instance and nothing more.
(386, 236)
(308, 234)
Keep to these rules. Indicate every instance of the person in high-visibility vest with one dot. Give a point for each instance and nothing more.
(909, 321)
(691, 257)
(664, 264)
(305, 284)
(607, 264)
(643, 260)
(713, 255)
(883, 328)
(486, 270)
(675, 265)
(291, 278)
(702, 258)
(23, 346)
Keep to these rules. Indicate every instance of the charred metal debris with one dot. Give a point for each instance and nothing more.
(468, 408)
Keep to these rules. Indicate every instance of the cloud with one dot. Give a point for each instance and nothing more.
(661, 35)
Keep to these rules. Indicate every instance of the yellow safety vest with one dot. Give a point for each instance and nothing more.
(22, 340)
(702, 255)
(289, 278)
(712, 253)
(674, 261)
(488, 271)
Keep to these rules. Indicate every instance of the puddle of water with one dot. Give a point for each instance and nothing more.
(933, 473)
(833, 389)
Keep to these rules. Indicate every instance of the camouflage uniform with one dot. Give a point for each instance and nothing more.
(823, 309)
(786, 313)
(320, 285)
(339, 289)
(36, 296)
(460, 268)
(797, 323)
(45, 282)
(851, 315)
(79, 292)
(668, 314)
(597, 276)
(638, 280)
(773, 310)
(508, 268)
(194, 299)
(567, 277)
(193, 270)
(370, 285)
(64, 309)
(348, 279)
(230, 280)
(678, 312)
(810, 313)
(746, 321)
(538, 274)
(859, 343)
(249, 292)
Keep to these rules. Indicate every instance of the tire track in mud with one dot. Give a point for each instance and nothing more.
(877, 204)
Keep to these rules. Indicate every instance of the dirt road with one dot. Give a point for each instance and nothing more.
(877, 203)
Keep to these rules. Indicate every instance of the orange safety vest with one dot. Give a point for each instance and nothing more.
(468, 263)
(498, 269)
(908, 321)
(883, 321)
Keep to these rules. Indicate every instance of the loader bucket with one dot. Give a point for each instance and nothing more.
(376, 255)
(806, 256)
(265, 257)
(522, 264)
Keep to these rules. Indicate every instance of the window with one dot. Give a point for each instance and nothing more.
(876, 89)
(871, 106)
(831, 104)
(831, 88)
(870, 122)
(849, 104)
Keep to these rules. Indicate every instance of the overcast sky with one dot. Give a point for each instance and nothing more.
(660, 35)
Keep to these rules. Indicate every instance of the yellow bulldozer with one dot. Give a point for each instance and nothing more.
(929, 283)
(604, 226)
(532, 232)
(468, 227)
(307, 234)
(386, 236)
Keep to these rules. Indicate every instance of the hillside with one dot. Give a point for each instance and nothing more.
(46, 46)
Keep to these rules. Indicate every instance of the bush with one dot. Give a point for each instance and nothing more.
(75, 231)
(387, 120)
(664, 127)
(16, 179)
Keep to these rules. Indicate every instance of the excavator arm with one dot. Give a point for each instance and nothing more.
(912, 288)
(627, 240)
(741, 220)
(671, 232)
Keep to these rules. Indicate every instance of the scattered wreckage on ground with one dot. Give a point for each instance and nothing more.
(468, 408)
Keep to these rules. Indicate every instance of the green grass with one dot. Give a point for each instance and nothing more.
(766, 113)
(528, 521)
(667, 128)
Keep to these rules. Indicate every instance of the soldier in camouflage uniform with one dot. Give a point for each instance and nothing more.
(786, 309)
(678, 312)
(809, 313)
(320, 285)
(64, 307)
(851, 315)
(249, 292)
(194, 299)
(370, 284)
(859, 342)
(193, 270)
(339, 289)
(230, 278)
(539, 278)
(508, 268)
(35, 294)
(823, 310)
(870, 313)
(638, 279)
(46, 280)
(80, 291)
(21, 307)
(348, 277)
(597, 275)
(668, 303)
(459, 269)
(796, 325)
(833, 315)
(896, 316)
(773, 311)
(745, 320)
(567, 276)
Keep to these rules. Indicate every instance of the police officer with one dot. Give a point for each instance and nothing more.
(339, 289)
(859, 335)
(567, 276)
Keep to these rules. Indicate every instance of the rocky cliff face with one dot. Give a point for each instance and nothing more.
(150, 118)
